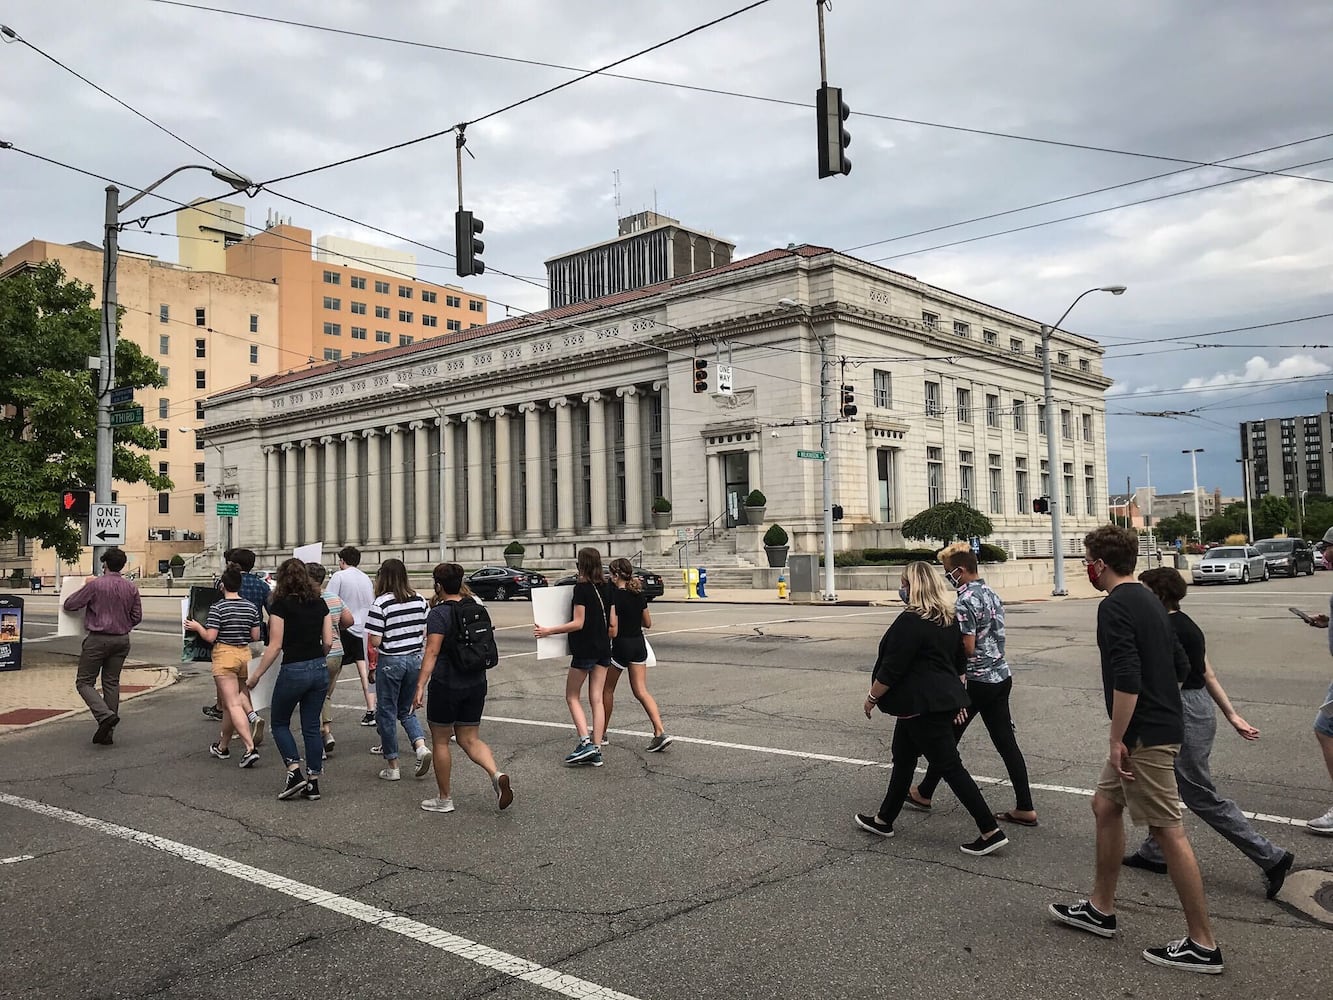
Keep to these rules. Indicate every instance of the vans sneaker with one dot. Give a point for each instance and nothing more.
(250, 758)
(221, 753)
(1085, 917)
(1185, 954)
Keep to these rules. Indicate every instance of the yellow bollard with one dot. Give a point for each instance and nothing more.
(782, 587)
(691, 578)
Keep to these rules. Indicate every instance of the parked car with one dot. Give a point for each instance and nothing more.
(1322, 553)
(1289, 556)
(501, 582)
(1231, 563)
(653, 585)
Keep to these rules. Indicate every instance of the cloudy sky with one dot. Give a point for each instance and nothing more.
(1170, 78)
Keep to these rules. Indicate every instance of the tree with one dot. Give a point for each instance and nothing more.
(48, 406)
(1175, 526)
(947, 521)
(1271, 516)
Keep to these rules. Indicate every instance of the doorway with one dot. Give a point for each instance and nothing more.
(736, 480)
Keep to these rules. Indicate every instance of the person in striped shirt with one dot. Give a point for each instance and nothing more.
(396, 626)
(231, 625)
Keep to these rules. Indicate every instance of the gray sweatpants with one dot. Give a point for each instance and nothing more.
(1197, 791)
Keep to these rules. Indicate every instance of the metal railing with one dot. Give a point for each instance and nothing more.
(711, 528)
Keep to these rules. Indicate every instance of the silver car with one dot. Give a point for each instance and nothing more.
(1231, 564)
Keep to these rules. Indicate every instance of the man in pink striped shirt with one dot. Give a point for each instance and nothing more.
(111, 610)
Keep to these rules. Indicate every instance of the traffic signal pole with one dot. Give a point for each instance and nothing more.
(106, 373)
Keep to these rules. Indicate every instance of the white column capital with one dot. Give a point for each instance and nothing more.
(500, 411)
(660, 384)
(308, 443)
(469, 416)
(416, 425)
(592, 397)
(559, 402)
(269, 449)
(370, 432)
(288, 445)
(527, 407)
(327, 440)
(349, 436)
(394, 429)
(629, 391)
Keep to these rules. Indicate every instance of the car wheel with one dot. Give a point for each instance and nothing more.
(503, 593)
(1245, 575)
(1264, 578)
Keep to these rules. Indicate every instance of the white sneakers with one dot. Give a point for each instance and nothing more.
(438, 805)
(390, 774)
(1323, 826)
(423, 760)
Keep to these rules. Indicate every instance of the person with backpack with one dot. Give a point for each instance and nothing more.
(396, 626)
(460, 648)
(629, 648)
(230, 626)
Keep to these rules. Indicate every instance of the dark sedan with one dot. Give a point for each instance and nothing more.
(500, 583)
(653, 585)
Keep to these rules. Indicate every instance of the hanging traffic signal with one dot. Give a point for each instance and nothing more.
(75, 503)
(467, 248)
(700, 375)
(830, 113)
(1041, 505)
(837, 512)
(848, 408)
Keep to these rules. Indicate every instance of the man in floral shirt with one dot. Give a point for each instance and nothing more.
(989, 681)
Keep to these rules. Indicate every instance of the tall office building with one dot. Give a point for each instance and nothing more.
(1290, 455)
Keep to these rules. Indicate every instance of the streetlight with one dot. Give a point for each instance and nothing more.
(829, 593)
(1249, 513)
(1147, 521)
(106, 379)
(403, 387)
(1193, 453)
(1052, 450)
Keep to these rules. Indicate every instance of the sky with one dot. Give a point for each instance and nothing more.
(1165, 78)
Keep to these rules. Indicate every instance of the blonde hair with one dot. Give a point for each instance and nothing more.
(943, 554)
(927, 595)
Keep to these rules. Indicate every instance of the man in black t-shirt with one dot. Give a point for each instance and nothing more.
(1142, 664)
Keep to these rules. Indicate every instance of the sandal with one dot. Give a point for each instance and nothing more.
(912, 802)
(1009, 817)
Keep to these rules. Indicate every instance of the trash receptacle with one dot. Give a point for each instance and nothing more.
(804, 572)
(703, 580)
(35, 583)
(1182, 561)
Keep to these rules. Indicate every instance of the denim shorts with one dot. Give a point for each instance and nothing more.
(578, 663)
(1323, 723)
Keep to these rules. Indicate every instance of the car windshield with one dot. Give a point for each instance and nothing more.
(1274, 545)
(1226, 554)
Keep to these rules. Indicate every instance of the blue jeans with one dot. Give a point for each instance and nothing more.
(395, 688)
(303, 683)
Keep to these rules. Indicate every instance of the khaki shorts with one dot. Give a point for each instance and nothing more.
(1152, 798)
(231, 661)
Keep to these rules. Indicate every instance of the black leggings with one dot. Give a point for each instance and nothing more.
(991, 702)
(931, 736)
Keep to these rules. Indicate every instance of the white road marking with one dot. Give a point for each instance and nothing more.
(17, 859)
(491, 958)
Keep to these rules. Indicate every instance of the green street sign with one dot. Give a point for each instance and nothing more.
(229, 510)
(127, 418)
(818, 456)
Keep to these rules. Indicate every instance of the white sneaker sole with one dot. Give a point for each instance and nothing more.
(432, 806)
(871, 829)
(1079, 924)
(1166, 963)
(423, 764)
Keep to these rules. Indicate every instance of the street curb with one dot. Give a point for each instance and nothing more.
(720, 601)
(173, 677)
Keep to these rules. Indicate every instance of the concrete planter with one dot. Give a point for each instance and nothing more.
(514, 560)
(661, 520)
(755, 515)
(777, 555)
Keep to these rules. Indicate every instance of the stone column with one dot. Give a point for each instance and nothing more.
(504, 489)
(289, 495)
(716, 489)
(449, 502)
(352, 490)
(272, 498)
(532, 460)
(664, 390)
(421, 457)
(564, 468)
(476, 489)
(374, 474)
(629, 399)
(598, 483)
(398, 486)
(872, 477)
(756, 460)
(310, 491)
(330, 534)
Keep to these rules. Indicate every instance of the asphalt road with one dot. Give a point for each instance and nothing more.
(726, 867)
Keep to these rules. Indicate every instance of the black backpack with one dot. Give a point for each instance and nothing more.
(472, 650)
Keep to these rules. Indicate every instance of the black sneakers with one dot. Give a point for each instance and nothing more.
(368, 719)
(1277, 875)
(982, 846)
(1085, 917)
(869, 824)
(1188, 956)
(1137, 860)
(213, 712)
(296, 783)
(311, 790)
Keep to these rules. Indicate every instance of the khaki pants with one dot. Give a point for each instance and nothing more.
(101, 654)
(335, 662)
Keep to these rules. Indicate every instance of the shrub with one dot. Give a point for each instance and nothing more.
(775, 535)
(756, 499)
(1236, 540)
(514, 548)
(992, 554)
(176, 559)
(661, 506)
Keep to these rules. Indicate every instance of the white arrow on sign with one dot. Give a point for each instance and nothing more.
(106, 523)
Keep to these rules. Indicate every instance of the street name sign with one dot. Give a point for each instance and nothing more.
(125, 394)
(106, 524)
(818, 456)
(127, 418)
(229, 509)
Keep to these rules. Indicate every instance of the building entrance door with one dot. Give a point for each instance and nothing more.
(736, 477)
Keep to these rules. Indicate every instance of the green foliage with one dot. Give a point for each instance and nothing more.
(48, 440)
(1318, 516)
(1175, 526)
(900, 557)
(661, 506)
(992, 554)
(775, 535)
(756, 499)
(514, 548)
(1272, 514)
(176, 559)
(947, 522)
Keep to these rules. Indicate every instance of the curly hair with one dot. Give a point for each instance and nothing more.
(1117, 547)
(1167, 584)
(293, 580)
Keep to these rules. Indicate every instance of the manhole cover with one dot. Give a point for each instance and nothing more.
(1324, 897)
(1310, 894)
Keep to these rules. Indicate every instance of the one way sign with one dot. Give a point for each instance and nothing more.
(106, 524)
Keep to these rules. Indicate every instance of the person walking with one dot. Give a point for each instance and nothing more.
(1142, 665)
(917, 678)
(256, 590)
(629, 649)
(341, 619)
(301, 630)
(396, 626)
(1200, 690)
(111, 610)
(454, 691)
(230, 626)
(589, 657)
(357, 593)
(1322, 826)
(989, 682)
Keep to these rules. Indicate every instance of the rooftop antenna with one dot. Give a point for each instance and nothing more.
(616, 174)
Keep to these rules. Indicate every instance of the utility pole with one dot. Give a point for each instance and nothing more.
(1249, 511)
(1193, 453)
(825, 447)
(106, 372)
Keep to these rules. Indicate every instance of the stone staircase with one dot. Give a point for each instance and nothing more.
(727, 569)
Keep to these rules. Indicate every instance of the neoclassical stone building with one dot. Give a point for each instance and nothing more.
(559, 428)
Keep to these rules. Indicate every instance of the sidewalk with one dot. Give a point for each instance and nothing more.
(43, 691)
(1078, 589)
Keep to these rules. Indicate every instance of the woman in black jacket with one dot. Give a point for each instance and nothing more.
(918, 678)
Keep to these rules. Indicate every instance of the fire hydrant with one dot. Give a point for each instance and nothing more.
(782, 587)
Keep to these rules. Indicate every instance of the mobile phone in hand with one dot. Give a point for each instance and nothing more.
(1300, 614)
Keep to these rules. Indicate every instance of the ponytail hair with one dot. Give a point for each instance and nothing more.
(623, 569)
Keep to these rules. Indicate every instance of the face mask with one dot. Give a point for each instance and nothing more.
(953, 577)
(1094, 575)
(903, 594)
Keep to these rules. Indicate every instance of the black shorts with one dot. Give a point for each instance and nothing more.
(452, 706)
(582, 663)
(354, 647)
(629, 650)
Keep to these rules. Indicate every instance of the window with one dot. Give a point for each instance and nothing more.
(1020, 416)
(200, 379)
(164, 313)
(382, 287)
(473, 326)
(163, 344)
(1015, 345)
(965, 477)
(1087, 427)
(990, 337)
(164, 503)
(382, 312)
(198, 440)
(992, 410)
(382, 337)
(332, 304)
(164, 468)
(1068, 477)
(429, 320)
(1041, 418)
(358, 333)
(930, 320)
(1062, 358)
(332, 354)
(453, 301)
(404, 315)
(964, 409)
(934, 476)
(200, 318)
(932, 399)
(475, 306)
(404, 291)
(332, 278)
(428, 296)
(333, 329)
(358, 283)
(198, 409)
(1036, 351)
(199, 475)
(883, 389)
(961, 329)
(1021, 485)
(404, 340)
(1045, 478)
(163, 437)
(996, 484)
(163, 408)
(1090, 490)
(200, 347)
(1084, 365)
(254, 322)
(358, 308)
(165, 372)
(453, 324)
(1066, 425)
(198, 503)
(254, 354)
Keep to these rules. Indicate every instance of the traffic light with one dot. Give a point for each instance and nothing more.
(848, 408)
(700, 375)
(834, 139)
(75, 503)
(467, 247)
(1041, 505)
(837, 512)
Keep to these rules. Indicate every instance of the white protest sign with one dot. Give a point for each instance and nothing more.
(262, 696)
(312, 553)
(552, 606)
(69, 622)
